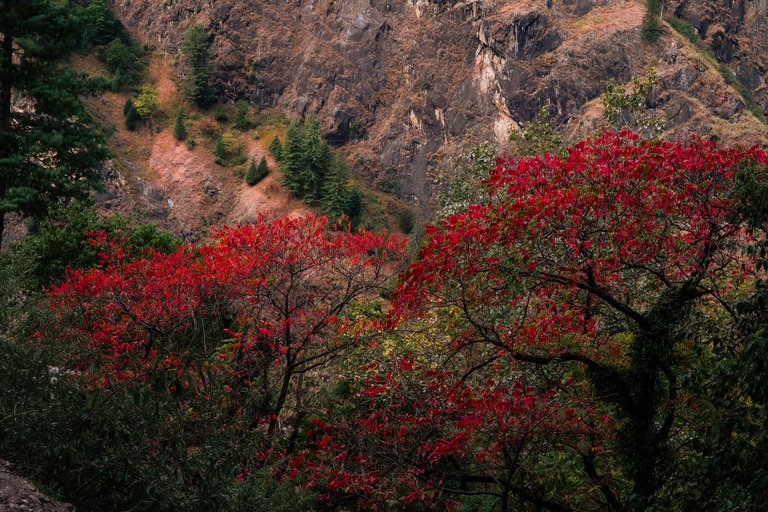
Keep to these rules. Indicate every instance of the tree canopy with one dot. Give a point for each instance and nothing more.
(196, 86)
(588, 335)
(571, 306)
(48, 148)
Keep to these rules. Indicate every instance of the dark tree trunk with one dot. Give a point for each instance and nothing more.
(6, 81)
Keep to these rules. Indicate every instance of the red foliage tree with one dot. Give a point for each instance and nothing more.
(598, 259)
(264, 303)
(582, 276)
(418, 437)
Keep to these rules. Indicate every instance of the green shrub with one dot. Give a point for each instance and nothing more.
(256, 173)
(220, 115)
(146, 104)
(179, 130)
(242, 122)
(276, 148)
(131, 115)
(125, 62)
(685, 29)
(63, 238)
(650, 30)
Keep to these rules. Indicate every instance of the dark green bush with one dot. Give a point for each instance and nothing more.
(650, 29)
(685, 29)
(63, 241)
(256, 173)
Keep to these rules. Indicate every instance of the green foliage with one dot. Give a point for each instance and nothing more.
(461, 185)
(685, 29)
(335, 194)
(256, 173)
(260, 492)
(62, 241)
(132, 117)
(118, 56)
(292, 160)
(537, 137)
(221, 115)
(228, 149)
(124, 61)
(130, 448)
(179, 130)
(242, 109)
(98, 23)
(276, 148)
(53, 152)
(313, 173)
(405, 220)
(627, 110)
(306, 160)
(317, 161)
(146, 104)
(650, 30)
(196, 86)
(354, 206)
(231, 143)
(219, 151)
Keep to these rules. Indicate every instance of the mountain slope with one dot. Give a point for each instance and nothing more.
(419, 77)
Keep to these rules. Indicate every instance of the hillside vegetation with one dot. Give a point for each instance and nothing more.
(228, 321)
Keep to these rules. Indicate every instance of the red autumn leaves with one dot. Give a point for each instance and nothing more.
(563, 254)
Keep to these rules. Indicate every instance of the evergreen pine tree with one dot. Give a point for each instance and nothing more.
(276, 148)
(263, 169)
(651, 30)
(117, 81)
(335, 195)
(292, 160)
(354, 206)
(220, 151)
(252, 174)
(256, 173)
(196, 87)
(51, 153)
(179, 130)
(241, 115)
(131, 115)
(317, 156)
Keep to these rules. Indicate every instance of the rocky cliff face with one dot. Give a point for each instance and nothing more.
(737, 32)
(401, 83)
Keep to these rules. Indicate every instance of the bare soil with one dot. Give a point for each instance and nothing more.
(18, 495)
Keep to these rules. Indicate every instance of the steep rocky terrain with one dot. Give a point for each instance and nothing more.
(737, 31)
(401, 84)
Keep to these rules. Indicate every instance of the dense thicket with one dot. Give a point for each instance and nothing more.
(313, 173)
(179, 361)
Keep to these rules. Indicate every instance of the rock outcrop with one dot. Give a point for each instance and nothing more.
(737, 33)
(401, 84)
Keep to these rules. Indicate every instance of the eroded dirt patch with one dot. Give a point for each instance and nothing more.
(18, 495)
